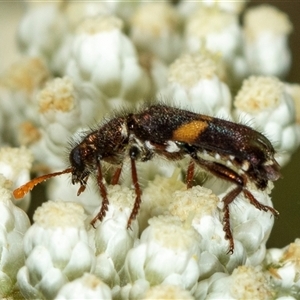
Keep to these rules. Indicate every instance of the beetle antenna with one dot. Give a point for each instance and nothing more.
(27, 187)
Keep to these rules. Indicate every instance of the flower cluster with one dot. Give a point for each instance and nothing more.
(84, 61)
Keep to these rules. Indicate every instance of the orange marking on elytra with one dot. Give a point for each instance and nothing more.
(189, 132)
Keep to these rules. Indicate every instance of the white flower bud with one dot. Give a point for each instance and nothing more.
(112, 238)
(265, 104)
(167, 292)
(13, 225)
(157, 196)
(18, 87)
(42, 30)
(168, 253)
(229, 6)
(15, 165)
(134, 290)
(154, 28)
(86, 287)
(60, 117)
(245, 282)
(56, 250)
(60, 187)
(198, 206)
(215, 30)
(294, 91)
(284, 268)
(194, 82)
(77, 11)
(250, 230)
(186, 7)
(105, 57)
(266, 31)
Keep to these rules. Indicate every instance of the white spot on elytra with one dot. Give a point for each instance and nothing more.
(149, 145)
(245, 165)
(172, 147)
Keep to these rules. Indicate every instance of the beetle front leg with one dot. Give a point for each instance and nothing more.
(134, 154)
(103, 192)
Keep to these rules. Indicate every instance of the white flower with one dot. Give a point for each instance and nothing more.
(86, 287)
(13, 225)
(75, 11)
(15, 165)
(60, 187)
(284, 268)
(156, 69)
(250, 230)
(167, 292)
(250, 226)
(194, 82)
(245, 282)
(59, 116)
(56, 250)
(154, 28)
(42, 30)
(230, 6)
(266, 31)
(103, 56)
(157, 196)
(215, 30)
(265, 104)
(18, 87)
(186, 7)
(168, 253)
(199, 207)
(132, 290)
(294, 91)
(112, 238)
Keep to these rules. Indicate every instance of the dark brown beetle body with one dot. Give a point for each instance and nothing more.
(230, 151)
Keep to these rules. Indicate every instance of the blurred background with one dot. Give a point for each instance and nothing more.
(286, 195)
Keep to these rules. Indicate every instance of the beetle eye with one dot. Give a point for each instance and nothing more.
(75, 159)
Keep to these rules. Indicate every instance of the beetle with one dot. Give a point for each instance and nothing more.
(233, 152)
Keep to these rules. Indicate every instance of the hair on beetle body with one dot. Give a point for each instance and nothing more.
(237, 154)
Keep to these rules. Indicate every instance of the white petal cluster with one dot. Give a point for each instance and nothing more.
(195, 81)
(267, 106)
(56, 250)
(59, 113)
(13, 225)
(87, 61)
(86, 287)
(187, 7)
(15, 165)
(167, 292)
(266, 34)
(42, 30)
(283, 266)
(112, 238)
(156, 25)
(215, 30)
(18, 87)
(105, 57)
(169, 253)
(245, 282)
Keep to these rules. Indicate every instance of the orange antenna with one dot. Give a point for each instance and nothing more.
(27, 187)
